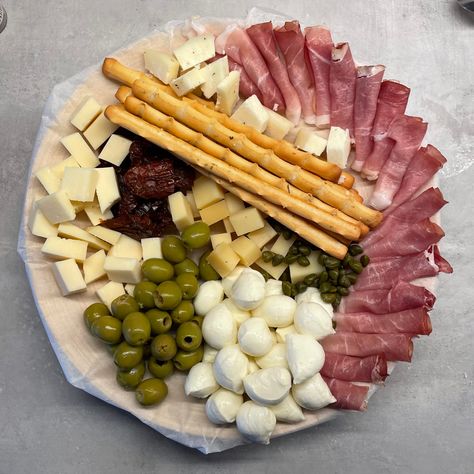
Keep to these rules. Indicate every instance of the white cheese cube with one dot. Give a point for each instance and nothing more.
(115, 150)
(126, 247)
(109, 235)
(216, 72)
(262, 236)
(223, 259)
(188, 81)
(338, 147)
(192, 203)
(151, 248)
(228, 93)
(234, 203)
(62, 249)
(277, 126)
(281, 245)
(298, 272)
(39, 225)
(123, 270)
(247, 250)
(217, 239)
(228, 226)
(129, 288)
(80, 183)
(246, 220)
(251, 112)
(161, 65)
(109, 292)
(80, 150)
(93, 267)
(49, 179)
(107, 188)
(275, 272)
(69, 277)
(59, 168)
(206, 192)
(180, 210)
(215, 212)
(95, 215)
(57, 207)
(309, 141)
(195, 51)
(99, 131)
(85, 113)
(72, 231)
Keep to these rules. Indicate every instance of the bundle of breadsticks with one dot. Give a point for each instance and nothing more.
(295, 188)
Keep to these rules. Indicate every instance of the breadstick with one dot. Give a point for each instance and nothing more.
(155, 117)
(194, 156)
(122, 93)
(346, 180)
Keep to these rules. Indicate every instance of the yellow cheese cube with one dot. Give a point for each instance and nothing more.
(217, 239)
(275, 272)
(39, 225)
(57, 207)
(216, 72)
(180, 210)
(123, 270)
(189, 81)
(161, 65)
(80, 183)
(192, 203)
(228, 226)
(206, 192)
(74, 232)
(151, 248)
(49, 179)
(115, 150)
(214, 213)
(282, 245)
(99, 131)
(93, 267)
(234, 203)
(262, 236)
(95, 215)
(109, 292)
(126, 247)
(298, 272)
(247, 250)
(107, 188)
(62, 249)
(228, 93)
(247, 220)
(109, 235)
(223, 259)
(85, 113)
(80, 150)
(69, 277)
(59, 168)
(195, 51)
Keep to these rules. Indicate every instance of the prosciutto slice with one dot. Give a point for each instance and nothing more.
(395, 347)
(348, 395)
(236, 43)
(424, 165)
(342, 87)
(408, 132)
(410, 321)
(246, 86)
(319, 47)
(369, 80)
(443, 265)
(290, 39)
(355, 369)
(400, 297)
(391, 103)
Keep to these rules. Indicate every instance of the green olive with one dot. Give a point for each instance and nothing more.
(143, 293)
(205, 268)
(136, 329)
(151, 392)
(168, 295)
(364, 260)
(328, 297)
(93, 312)
(183, 312)
(188, 336)
(196, 235)
(173, 249)
(129, 379)
(127, 356)
(160, 368)
(163, 347)
(197, 320)
(267, 256)
(188, 284)
(355, 250)
(286, 287)
(157, 270)
(184, 360)
(160, 321)
(108, 329)
(123, 305)
(186, 266)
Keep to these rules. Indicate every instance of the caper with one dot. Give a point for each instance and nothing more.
(289, 259)
(286, 275)
(352, 277)
(323, 277)
(326, 287)
(267, 256)
(345, 260)
(173, 249)
(364, 260)
(277, 260)
(293, 250)
(344, 281)
(265, 274)
(322, 258)
(310, 279)
(332, 263)
(286, 288)
(343, 291)
(186, 266)
(293, 291)
(151, 392)
(356, 266)
(160, 321)
(196, 235)
(303, 261)
(287, 234)
(328, 297)
(337, 300)
(333, 275)
(129, 379)
(304, 250)
(205, 269)
(300, 287)
(355, 250)
(93, 312)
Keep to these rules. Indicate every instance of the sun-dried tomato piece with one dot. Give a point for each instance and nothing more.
(139, 227)
(151, 180)
(184, 176)
(142, 152)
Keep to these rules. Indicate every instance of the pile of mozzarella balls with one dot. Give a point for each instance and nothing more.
(262, 344)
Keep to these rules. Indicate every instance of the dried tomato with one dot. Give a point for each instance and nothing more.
(151, 180)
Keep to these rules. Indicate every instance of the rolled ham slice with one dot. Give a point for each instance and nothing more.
(348, 395)
(410, 321)
(236, 43)
(342, 87)
(391, 103)
(369, 80)
(424, 165)
(262, 36)
(319, 47)
(290, 39)
(246, 86)
(395, 347)
(355, 369)
(400, 297)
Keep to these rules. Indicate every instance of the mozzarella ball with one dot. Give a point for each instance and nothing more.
(274, 336)
(200, 381)
(313, 393)
(254, 337)
(255, 422)
(253, 367)
(248, 290)
(239, 314)
(229, 280)
(305, 356)
(219, 328)
(281, 333)
(268, 386)
(230, 368)
(276, 357)
(313, 319)
(312, 295)
(276, 310)
(222, 406)
(288, 410)
(209, 354)
(210, 294)
(273, 287)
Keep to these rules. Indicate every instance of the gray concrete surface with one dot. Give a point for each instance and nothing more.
(422, 422)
